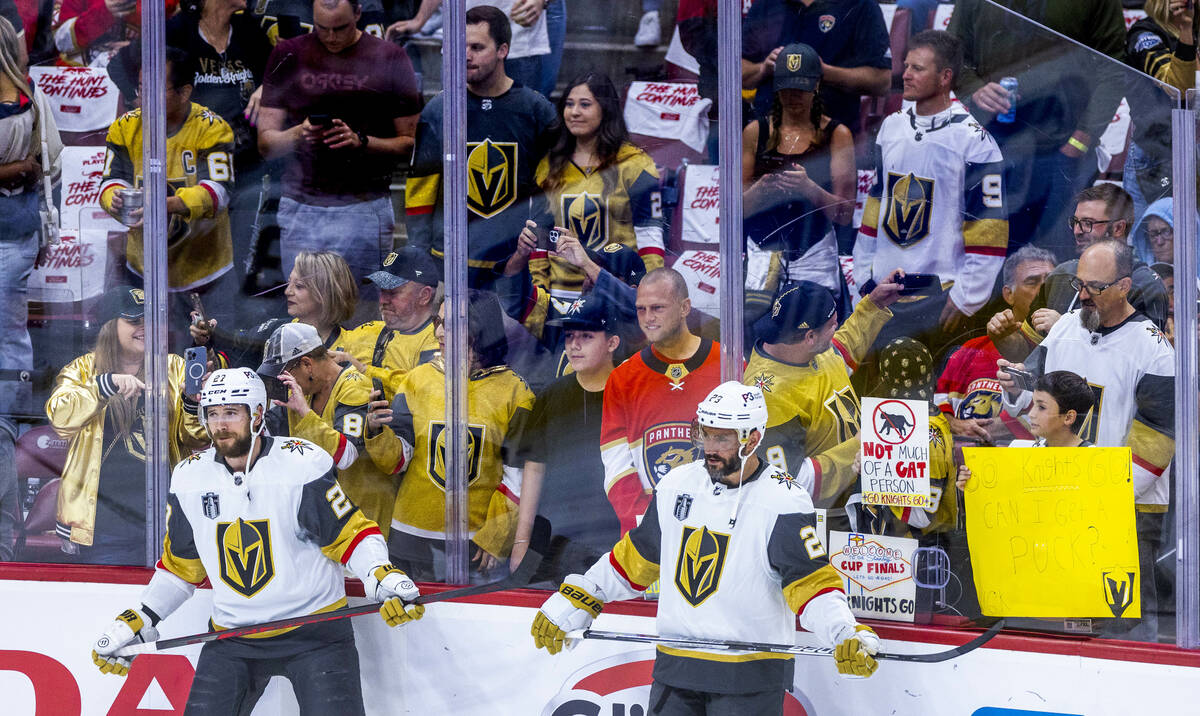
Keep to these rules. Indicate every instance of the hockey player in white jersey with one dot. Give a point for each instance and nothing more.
(937, 205)
(733, 542)
(264, 519)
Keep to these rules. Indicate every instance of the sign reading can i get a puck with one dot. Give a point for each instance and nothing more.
(895, 452)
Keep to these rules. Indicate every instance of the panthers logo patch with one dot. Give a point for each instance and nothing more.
(665, 447)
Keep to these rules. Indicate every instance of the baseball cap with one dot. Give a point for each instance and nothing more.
(621, 261)
(287, 343)
(122, 302)
(584, 314)
(407, 264)
(1163, 269)
(806, 306)
(798, 67)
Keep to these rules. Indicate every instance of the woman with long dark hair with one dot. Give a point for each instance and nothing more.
(601, 188)
(798, 174)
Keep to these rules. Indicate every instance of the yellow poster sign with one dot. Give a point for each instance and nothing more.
(1051, 532)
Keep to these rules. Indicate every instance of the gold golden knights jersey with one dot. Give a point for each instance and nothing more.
(937, 205)
(271, 541)
(499, 405)
(813, 409)
(200, 172)
(390, 355)
(340, 430)
(732, 564)
(621, 204)
(1130, 368)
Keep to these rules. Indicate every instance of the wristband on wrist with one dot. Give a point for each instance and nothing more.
(1077, 144)
(362, 139)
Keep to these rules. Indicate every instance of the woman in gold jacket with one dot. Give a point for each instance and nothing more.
(98, 405)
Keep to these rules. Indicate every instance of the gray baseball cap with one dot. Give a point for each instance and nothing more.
(287, 343)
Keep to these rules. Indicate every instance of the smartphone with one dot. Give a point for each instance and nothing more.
(1023, 378)
(276, 390)
(547, 237)
(195, 366)
(915, 283)
(320, 120)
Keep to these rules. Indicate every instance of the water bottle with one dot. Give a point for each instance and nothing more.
(1010, 85)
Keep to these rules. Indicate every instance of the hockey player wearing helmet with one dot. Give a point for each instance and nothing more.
(715, 524)
(264, 519)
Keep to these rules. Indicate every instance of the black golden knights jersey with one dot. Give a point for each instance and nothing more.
(200, 172)
(390, 355)
(283, 19)
(812, 409)
(271, 541)
(621, 204)
(499, 405)
(732, 564)
(506, 138)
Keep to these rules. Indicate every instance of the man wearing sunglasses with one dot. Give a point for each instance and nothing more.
(1130, 366)
(1104, 211)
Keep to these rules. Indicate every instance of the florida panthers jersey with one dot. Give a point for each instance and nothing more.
(812, 408)
(733, 564)
(967, 389)
(646, 427)
(1131, 370)
(937, 205)
(272, 541)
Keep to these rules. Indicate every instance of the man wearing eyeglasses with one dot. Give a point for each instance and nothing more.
(1130, 366)
(1104, 211)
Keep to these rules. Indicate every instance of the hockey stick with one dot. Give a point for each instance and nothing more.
(518, 578)
(696, 643)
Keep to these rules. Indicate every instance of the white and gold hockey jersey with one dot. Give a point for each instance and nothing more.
(937, 205)
(271, 541)
(733, 564)
(1131, 371)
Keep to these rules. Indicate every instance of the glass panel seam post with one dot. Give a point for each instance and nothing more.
(454, 173)
(154, 183)
(1187, 461)
(729, 79)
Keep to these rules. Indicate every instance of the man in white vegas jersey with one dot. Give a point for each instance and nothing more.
(937, 205)
(265, 520)
(733, 541)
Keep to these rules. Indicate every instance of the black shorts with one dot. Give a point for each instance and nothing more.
(670, 701)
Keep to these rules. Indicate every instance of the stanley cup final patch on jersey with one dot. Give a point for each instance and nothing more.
(247, 564)
(491, 177)
(211, 502)
(909, 212)
(700, 563)
(666, 446)
(683, 505)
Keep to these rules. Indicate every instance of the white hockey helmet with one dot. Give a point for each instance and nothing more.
(733, 406)
(235, 386)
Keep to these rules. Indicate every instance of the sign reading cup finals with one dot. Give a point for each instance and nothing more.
(895, 452)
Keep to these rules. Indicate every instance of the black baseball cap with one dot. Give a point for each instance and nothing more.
(806, 306)
(621, 261)
(797, 67)
(125, 302)
(407, 264)
(587, 313)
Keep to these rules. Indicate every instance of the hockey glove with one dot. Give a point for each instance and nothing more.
(394, 588)
(132, 626)
(855, 653)
(573, 607)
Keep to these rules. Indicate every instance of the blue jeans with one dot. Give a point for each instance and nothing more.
(361, 233)
(922, 13)
(17, 255)
(556, 29)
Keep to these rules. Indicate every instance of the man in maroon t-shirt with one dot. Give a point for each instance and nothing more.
(343, 106)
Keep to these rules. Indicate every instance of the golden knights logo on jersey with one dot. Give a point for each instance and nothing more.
(665, 447)
(585, 216)
(437, 452)
(245, 553)
(1118, 590)
(491, 176)
(1089, 428)
(700, 563)
(843, 404)
(909, 210)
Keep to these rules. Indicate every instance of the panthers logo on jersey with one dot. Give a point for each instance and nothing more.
(437, 452)
(983, 402)
(910, 208)
(700, 563)
(245, 555)
(491, 177)
(665, 447)
(585, 216)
